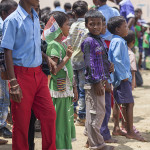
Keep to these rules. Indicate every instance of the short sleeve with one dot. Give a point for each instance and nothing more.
(130, 12)
(9, 34)
(53, 50)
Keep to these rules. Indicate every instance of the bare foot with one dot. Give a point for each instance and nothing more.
(2, 142)
(107, 148)
(118, 133)
(87, 145)
(111, 141)
(135, 136)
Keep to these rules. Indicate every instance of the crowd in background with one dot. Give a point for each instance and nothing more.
(79, 65)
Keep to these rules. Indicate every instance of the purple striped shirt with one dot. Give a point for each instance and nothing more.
(96, 59)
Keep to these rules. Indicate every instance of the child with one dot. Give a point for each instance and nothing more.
(61, 85)
(104, 130)
(28, 84)
(118, 54)
(77, 34)
(130, 38)
(146, 44)
(97, 71)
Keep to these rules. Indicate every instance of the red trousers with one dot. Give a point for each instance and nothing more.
(36, 96)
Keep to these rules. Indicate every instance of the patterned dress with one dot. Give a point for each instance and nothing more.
(62, 94)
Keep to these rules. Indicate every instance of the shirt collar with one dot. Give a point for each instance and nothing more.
(123, 2)
(81, 19)
(117, 36)
(24, 14)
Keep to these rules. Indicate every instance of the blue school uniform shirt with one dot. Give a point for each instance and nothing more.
(1, 28)
(59, 9)
(22, 35)
(127, 10)
(118, 55)
(108, 13)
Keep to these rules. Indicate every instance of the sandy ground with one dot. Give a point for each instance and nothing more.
(141, 121)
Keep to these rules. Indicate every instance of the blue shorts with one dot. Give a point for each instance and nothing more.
(123, 93)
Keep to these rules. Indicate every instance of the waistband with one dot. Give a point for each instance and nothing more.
(27, 69)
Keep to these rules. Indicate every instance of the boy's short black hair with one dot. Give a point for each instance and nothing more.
(115, 22)
(67, 6)
(7, 5)
(56, 3)
(80, 8)
(103, 1)
(93, 14)
(60, 17)
(130, 37)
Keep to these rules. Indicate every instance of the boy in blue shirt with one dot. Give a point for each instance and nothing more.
(28, 84)
(118, 54)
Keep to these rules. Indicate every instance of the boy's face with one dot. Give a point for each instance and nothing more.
(123, 30)
(103, 27)
(94, 25)
(95, 2)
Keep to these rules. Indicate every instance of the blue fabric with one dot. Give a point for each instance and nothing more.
(127, 10)
(118, 55)
(59, 9)
(4, 102)
(105, 132)
(1, 27)
(108, 13)
(22, 35)
(123, 93)
(80, 81)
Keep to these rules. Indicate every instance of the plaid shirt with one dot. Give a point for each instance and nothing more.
(96, 59)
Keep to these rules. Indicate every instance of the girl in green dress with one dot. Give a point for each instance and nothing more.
(62, 87)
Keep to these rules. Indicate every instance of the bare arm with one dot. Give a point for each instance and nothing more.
(64, 61)
(133, 80)
(15, 90)
(131, 22)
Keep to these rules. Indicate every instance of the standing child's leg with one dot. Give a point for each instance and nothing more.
(130, 132)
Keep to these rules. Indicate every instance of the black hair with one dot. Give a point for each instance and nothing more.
(80, 8)
(138, 10)
(130, 37)
(56, 4)
(115, 22)
(103, 18)
(93, 14)
(67, 6)
(60, 17)
(103, 1)
(7, 5)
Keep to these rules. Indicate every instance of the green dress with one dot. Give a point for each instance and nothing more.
(62, 94)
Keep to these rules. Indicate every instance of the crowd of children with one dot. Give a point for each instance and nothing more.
(64, 67)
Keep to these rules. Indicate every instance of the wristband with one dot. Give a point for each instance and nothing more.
(12, 87)
(14, 79)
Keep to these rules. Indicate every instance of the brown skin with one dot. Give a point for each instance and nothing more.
(94, 26)
(2, 142)
(128, 112)
(65, 31)
(16, 93)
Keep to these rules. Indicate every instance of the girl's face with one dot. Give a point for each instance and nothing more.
(104, 28)
(65, 28)
(94, 25)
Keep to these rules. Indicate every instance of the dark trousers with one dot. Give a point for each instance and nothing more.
(104, 128)
(31, 132)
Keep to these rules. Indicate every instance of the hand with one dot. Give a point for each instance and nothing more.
(99, 88)
(52, 65)
(108, 87)
(125, 79)
(75, 91)
(111, 68)
(16, 94)
(69, 51)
